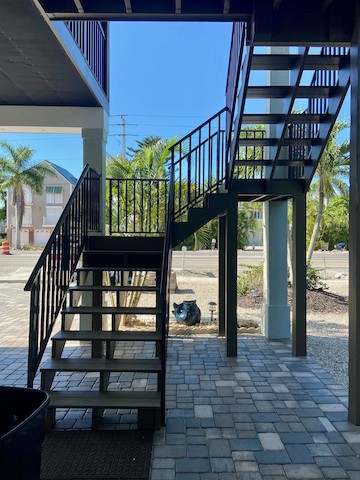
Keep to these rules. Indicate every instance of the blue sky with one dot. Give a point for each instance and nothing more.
(166, 78)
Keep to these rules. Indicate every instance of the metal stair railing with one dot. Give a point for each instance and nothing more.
(319, 107)
(198, 163)
(53, 272)
(237, 82)
(136, 206)
(237, 50)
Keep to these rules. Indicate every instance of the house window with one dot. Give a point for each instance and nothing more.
(27, 218)
(27, 196)
(54, 194)
(52, 215)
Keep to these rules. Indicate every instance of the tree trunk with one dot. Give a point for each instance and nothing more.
(317, 222)
(18, 225)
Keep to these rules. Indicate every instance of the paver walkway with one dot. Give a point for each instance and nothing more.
(262, 416)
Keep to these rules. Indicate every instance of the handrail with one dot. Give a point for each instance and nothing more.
(137, 206)
(165, 287)
(238, 40)
(199, 163)
(54, 270)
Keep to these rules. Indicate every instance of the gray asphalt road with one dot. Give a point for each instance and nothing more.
(332, 261)
(202, 260)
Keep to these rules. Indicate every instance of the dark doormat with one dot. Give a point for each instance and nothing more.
(97, 455)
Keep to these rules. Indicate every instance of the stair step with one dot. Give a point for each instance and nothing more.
(126, 243)
(118, 269)
(113, 288)
(89, 335)
(112, 310)
(283, 91)
(123, 252)
(101, 365)
(129, 259)
(262, 142)
(274, 118)
(287, 62)
(108, 399)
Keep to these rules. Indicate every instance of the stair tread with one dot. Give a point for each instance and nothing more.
(112, 269)
(273, 118)
(112, 310)
(308, 141)
(106, 335)
(124, 252)
(287, 61)
(280, 91)
(114, 288)
(102, 365)
(109, 399)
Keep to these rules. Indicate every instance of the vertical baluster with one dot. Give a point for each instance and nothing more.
(134, 204)
(188, 178)
(180, 175)
(142, 207)
(150, 204)
(199, 183)
(157, 205)
(48, 292)
(209, 159)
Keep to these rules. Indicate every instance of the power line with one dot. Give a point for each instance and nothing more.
(158, 116)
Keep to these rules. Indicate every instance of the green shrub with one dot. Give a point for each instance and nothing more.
(313, 278)
(250, 278)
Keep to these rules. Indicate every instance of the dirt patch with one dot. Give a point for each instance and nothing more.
(320, 301)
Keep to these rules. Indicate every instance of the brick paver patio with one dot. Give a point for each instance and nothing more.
(262, 416)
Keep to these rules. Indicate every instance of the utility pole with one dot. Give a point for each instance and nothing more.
(123, 135)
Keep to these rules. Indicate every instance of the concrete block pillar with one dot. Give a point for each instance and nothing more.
(94, 154)
(276, 311)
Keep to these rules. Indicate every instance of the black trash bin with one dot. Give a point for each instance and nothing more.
(22, 432)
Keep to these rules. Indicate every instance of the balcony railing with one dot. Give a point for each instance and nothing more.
(91, 38)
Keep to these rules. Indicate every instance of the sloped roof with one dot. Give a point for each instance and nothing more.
(64, 173)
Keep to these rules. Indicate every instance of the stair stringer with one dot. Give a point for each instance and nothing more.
(215, 204)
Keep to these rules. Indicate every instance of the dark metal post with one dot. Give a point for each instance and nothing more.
(354, 233)
(231, 279)
(222, 273)
(299, 272)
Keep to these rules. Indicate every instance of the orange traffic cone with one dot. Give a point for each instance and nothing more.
(5, 248)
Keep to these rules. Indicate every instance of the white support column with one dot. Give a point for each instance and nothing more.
(276, 311)
(94, 154)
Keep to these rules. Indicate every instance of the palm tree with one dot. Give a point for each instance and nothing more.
(148, 162)
(330, 180)
(18, 171)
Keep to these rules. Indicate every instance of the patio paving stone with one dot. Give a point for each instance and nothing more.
(223, 414)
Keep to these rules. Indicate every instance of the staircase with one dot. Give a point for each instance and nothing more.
(111, 354)
(236, 155)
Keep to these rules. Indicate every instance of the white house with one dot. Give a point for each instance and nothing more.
(41, 211)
